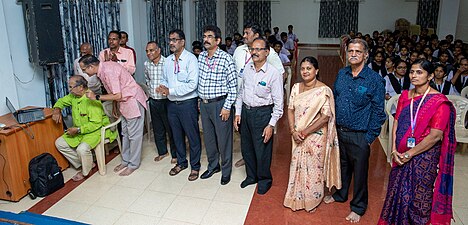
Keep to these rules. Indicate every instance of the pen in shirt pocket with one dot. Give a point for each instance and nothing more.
(263, 83)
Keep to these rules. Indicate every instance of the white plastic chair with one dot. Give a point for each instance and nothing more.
(100, 148)
(464, 92)
(147, 114)
(461, 106)
(392, 102)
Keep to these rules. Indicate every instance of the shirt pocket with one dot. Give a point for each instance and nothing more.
(183, 76)
(361, 96)
(263, 92)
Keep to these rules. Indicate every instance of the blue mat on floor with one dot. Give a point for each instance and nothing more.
(32, 218)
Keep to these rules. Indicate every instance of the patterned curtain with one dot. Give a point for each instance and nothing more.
(163, 16)
(338, 17)
(82, 21)
(428, 11)
(206, 15)
(258, 12)
(232, 18)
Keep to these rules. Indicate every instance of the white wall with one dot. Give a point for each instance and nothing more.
(14, 60)
(373, 15)
(462, 25)
(448, 16)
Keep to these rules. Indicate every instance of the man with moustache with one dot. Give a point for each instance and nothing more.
(158, 103)
(94, 84)
(118, 54)
(129, 100)
(259, 106)
(179, 84)
(242, 57)
(217, 89)
(360, 97)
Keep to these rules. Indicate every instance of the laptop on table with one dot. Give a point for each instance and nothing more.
(25, 115)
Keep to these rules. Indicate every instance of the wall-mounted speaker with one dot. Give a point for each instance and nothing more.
(43, 31)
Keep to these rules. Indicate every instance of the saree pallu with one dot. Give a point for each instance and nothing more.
(314, 162)
(420, 191)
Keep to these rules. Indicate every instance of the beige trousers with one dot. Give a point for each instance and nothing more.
(80, 156)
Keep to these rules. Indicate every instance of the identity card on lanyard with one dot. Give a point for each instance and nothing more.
(411, 142)
(247, 60)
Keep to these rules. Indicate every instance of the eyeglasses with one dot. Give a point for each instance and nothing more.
(71, 88)
(174, 39)
(257, 49)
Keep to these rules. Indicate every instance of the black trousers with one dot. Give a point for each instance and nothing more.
(161, 126)
(354, 157)
(257, 155)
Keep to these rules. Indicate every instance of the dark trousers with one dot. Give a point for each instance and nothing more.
(257, 155)
(218, 136)
(158, 109)
(183, 120)
(354, 157)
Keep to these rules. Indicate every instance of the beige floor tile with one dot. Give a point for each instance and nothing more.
(136, 219)
(119, 198)
(232, 193)
(205, 189)
(88, 192)
(139, 179)
(225, 213)
(110, 177)
(168, 184)
(187, 209)
(457, 220)
(149, 164)
(238, 174)
(462, 213)
(173, 222)
(97, 215)
(152, 203)
(67, 209)
(15, 207)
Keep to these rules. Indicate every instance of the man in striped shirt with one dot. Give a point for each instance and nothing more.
(217, 89)
(158, 102)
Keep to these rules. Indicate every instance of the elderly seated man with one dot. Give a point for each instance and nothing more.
(88, 118)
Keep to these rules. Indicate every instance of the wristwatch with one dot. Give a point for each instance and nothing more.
(406, 155)
(98, 97)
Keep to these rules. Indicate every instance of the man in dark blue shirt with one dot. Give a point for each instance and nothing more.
(360, 98)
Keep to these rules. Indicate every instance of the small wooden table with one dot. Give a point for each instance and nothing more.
(19, 143)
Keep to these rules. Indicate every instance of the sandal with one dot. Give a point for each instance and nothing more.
(78, 176)
(160, 157)
(176, 170)
(193, 175)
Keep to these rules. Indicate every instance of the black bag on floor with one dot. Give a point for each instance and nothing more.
(45, 175)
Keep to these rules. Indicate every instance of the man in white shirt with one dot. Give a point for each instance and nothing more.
(94, 84)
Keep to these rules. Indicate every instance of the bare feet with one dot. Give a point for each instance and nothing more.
(173, 160)
(78, 176)
(353, 217)
(119, 168)
(239, 163)
(161, 157)
(126, 172)
(328, 199)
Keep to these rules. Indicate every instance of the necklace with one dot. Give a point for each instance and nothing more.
(305, 87)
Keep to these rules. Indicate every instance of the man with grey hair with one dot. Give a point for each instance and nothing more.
(94, 84)
(360, 97)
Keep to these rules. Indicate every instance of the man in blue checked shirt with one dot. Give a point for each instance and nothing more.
(360, 98)
(217, 89)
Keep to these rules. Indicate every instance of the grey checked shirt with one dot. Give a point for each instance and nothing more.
(153, 75)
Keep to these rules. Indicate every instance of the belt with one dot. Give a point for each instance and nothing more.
(206, 101)
(256, 107)
(345, 129)
(159, 100)
(184, 101)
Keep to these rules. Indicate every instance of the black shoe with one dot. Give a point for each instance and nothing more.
(262, 191)
(246, 183)
(225, 180)
(207, 174)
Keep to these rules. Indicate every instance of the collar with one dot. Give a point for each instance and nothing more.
(181, 57)
(161, 61)
(215, 55)
(264, 68)
(363, 74)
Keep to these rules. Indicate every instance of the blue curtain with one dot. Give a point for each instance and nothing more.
(338, 17)
(258, 12)
(163, 16)
(206, 15)
(82, 21)
(428, 12)
(232, 18)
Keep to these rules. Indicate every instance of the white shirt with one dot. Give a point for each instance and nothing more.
(289, 44)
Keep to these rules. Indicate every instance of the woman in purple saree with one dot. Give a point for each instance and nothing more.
(420, 186)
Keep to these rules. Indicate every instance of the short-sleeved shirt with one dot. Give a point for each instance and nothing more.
(154, 75)
(116, 79)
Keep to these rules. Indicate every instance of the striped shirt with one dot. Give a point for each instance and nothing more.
(154, 75)
(217, 76)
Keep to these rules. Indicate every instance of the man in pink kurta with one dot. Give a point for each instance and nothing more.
(131, 101)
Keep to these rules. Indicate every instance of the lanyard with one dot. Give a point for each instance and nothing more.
(212, 66)
(413, 119)
(247, 60)
(176, 67)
